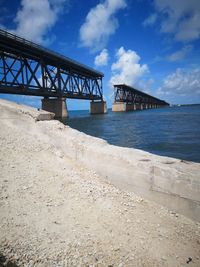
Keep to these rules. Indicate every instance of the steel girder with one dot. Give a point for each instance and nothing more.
(22, 75)
(127, 94)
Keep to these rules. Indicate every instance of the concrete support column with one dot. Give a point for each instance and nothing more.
(121, 106)
(130, 106)
(137, 106)
(118, 106)
(57, 106)
(98, 107)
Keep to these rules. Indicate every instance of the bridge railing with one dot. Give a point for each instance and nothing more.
(41, 48)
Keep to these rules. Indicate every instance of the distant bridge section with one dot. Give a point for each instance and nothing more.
(127, 98)
(30, 69)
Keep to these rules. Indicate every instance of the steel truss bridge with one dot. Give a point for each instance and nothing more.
(127, 94)
(30, 69)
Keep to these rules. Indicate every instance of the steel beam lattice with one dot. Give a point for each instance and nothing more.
(127, 94)
(29, 69)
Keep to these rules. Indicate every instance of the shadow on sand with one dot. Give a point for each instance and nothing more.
(4, 263)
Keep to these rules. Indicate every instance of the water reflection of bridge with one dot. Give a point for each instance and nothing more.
(128, 98)
(30, 69)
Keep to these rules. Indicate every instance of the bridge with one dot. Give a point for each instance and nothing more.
(127, 98)
(27, 68)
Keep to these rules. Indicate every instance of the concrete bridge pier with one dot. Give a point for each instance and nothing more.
(98, 107)
(56, 105)
(137, 106)
(121, 106)
(130, 106)
(118, 106)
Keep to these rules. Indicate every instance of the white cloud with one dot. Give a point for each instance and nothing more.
(127, 68)
(145, 85)
(181, 18)
(36, 17)
(189, 29)
(180, 54)
(100, 23)
(102, 58)
(150, 20)
(181, 82)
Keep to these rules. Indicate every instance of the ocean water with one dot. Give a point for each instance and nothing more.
(173, 131)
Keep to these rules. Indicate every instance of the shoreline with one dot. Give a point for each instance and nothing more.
(158, 137)
(71, 199)
(172, 182)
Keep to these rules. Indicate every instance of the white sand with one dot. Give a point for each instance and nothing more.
(55, 212)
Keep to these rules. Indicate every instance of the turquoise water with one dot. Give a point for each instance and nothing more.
(173, 131)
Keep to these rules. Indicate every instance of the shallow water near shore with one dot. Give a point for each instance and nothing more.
(173, 132)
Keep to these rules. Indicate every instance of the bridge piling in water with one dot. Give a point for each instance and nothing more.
(98, 107)
(56, 105)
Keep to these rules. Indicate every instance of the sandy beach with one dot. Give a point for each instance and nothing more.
(61, 205)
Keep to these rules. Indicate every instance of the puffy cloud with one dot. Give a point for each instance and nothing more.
(102, 58)
(180, 18)
(145, 85)
(178, 55)
(127, 68)
(36, 17)
(100, 23)
(181, 82)
(150, 20)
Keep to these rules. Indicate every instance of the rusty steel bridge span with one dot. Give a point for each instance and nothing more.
(27, 68)
(127, 98)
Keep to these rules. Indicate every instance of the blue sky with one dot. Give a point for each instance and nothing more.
(151, 45)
